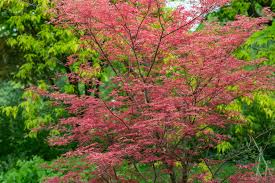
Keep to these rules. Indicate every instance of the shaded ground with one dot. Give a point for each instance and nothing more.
(9, 60)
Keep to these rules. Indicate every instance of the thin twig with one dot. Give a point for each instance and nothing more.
(121, 120)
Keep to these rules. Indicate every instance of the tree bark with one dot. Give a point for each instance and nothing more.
(184, 177)
(173, 177)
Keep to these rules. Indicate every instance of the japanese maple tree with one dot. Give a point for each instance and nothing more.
(164, 110)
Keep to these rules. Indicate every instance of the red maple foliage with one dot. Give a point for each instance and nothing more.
(247, 175)
(165, 102)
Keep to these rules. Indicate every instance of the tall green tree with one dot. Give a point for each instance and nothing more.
(242, 7)
(39, 49)
(258, 110)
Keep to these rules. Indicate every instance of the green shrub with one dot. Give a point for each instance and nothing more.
(30, 171)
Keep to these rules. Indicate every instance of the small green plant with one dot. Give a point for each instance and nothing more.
(30, 171)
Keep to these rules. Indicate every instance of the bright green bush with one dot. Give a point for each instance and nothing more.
(31, 171)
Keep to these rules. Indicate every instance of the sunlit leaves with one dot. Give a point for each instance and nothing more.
(223, 147)
(260, 45)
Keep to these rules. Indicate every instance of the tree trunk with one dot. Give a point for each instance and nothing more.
(184, 177)
(173, 176)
